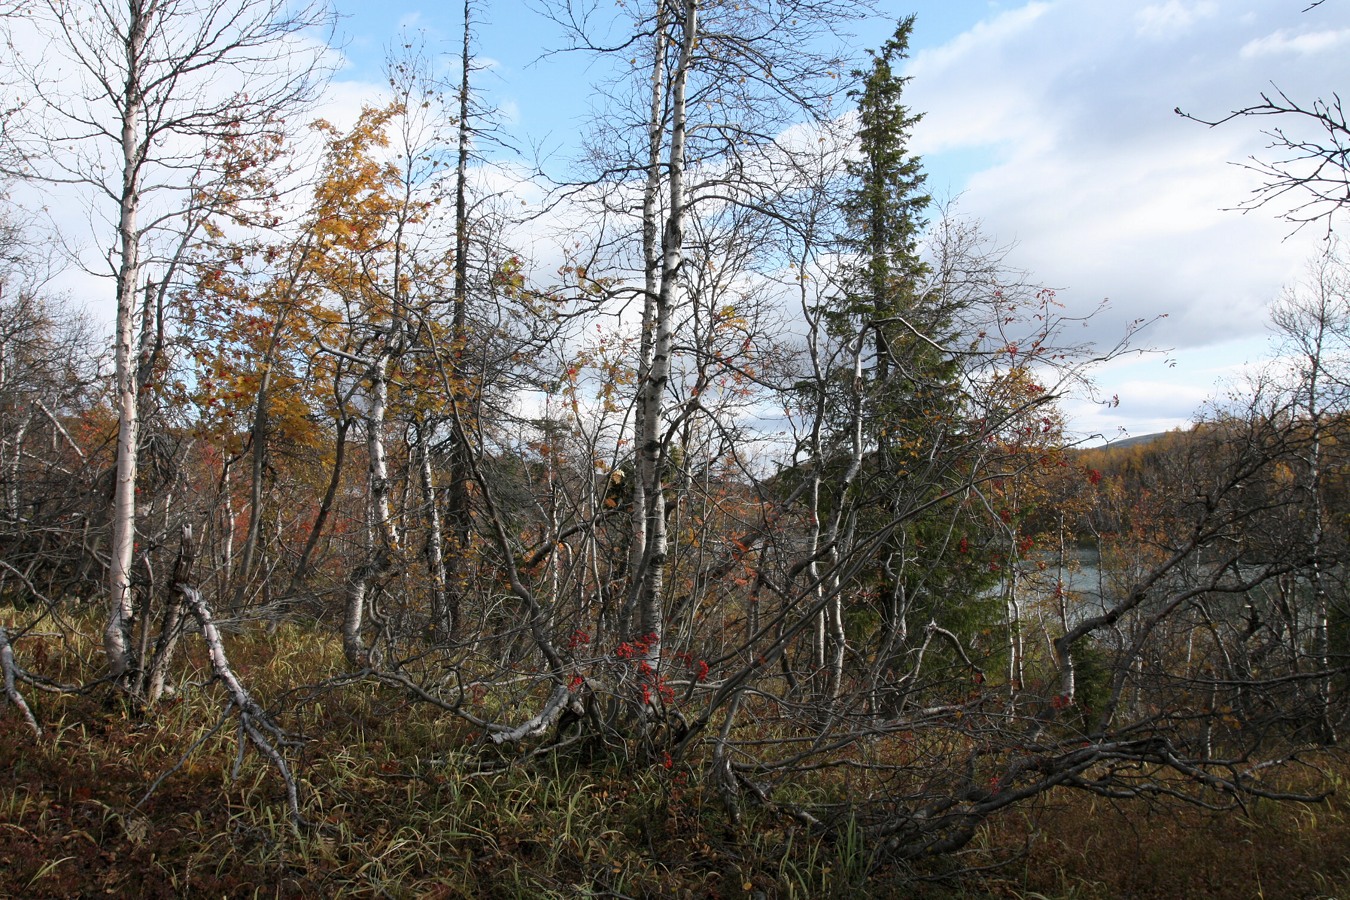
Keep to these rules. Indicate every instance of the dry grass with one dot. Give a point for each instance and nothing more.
(1086, 847)
(398, 812)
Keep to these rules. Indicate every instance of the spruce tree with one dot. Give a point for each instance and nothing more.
(885, 205)
(930, 568)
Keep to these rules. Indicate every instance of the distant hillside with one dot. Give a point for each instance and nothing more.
(1133, 441)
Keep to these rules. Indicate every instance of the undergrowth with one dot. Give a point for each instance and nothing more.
(400, 804)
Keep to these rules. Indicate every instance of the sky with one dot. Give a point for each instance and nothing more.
(1052, 123)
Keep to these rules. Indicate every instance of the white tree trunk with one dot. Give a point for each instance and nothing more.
(381, 539)
(441, 621)
(116, 636)
(9, 669)
(651, 255)
(651, 611)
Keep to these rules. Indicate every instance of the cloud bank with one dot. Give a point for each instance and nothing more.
(1067, 107)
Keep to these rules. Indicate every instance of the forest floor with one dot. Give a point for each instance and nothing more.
(399, 806)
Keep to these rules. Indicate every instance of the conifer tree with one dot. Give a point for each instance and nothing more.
(884, 207)
(907, 406)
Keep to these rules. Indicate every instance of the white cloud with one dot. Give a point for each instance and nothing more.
(993, 110)
(508, 111)
(1172, 19)
(1285, 42)
(1141, 394)
(999, 30)
(1106, 192)
(1059, 119)
(343, 101)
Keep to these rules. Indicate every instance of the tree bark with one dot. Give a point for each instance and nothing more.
(444, 618)
(458, 513)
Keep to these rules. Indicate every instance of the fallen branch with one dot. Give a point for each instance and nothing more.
(536, 725)
(10, 669)
(254, 721)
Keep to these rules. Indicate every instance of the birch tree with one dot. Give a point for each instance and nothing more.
(712, 89)
(390, 257)
(1312, 325)
(125, 99)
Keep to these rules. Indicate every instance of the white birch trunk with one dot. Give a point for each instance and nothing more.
(227, 526)
(653, 592)
(116, 637)
(12, 467)
(9, 668)
(380, 538)
(435, 541)
(834, 612)
(651, 253)
(1321, 624)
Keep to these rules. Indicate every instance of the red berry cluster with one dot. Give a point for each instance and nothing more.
(699, 667)
(637, 648)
